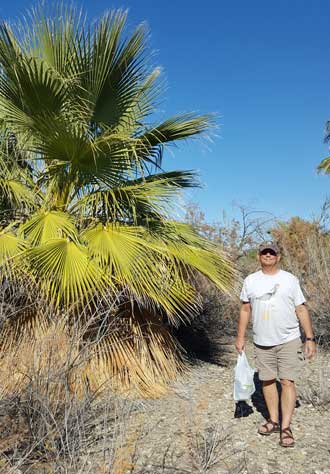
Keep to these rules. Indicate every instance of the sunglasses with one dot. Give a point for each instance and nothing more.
(270, 251)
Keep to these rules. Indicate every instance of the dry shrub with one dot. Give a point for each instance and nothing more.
(316, 282)
(48, 409)
(316, 387)
(72, 437)
(310, 262)
(50, 417)
(291, 237)
(51, 356)
(317, 393)
(208, 447)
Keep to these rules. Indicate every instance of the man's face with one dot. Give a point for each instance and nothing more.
(268, 257)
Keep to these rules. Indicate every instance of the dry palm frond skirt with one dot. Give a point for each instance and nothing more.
(130, 351)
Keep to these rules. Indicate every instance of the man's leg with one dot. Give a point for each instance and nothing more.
(266, 363)
(289, 361)
(270, 392)
(288, 403)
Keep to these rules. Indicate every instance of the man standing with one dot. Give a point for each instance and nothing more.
(277, 304)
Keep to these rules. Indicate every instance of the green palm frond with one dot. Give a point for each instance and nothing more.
(65, 272)
(212, 265)
(16, 185)
(48, 111)
(47, 225)
(146, 271)
(10, 50)
(152, 197)
(51, 33)
(70, 150)
(324, 166)
(179, 127)
(39, 90)
(192, 251)
(143, 104)
(17, 194)
(118, 70)
(29, 90)
(10, 247)
(108, 70)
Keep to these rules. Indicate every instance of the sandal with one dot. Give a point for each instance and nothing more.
(268, 431)
(287, 435)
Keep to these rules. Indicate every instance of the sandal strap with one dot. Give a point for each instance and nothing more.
(285, 430)
(270, 422)
(287, 433)
(274, 423)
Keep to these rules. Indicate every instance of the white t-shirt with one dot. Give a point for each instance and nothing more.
(273, 299)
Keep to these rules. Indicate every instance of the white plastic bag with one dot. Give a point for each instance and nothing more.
(243, 382)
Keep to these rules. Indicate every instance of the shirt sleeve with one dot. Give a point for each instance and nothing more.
(244, 293)
(298, 295)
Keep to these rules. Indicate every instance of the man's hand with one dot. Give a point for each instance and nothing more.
(240, 344)
(310, 349)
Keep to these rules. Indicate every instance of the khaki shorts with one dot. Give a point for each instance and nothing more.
(283, 361)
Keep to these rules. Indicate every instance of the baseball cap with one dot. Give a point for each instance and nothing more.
(269, 244)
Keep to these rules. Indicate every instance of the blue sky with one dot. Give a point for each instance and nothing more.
(263, 66)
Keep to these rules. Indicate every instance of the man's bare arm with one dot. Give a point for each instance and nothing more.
(306, 324)
(244, 318)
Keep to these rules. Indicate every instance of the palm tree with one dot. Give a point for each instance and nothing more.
(324, 166)
(86, 208)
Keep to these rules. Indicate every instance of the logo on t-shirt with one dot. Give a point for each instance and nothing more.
(266, 299)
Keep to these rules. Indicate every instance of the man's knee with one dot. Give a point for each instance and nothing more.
(287, 382)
